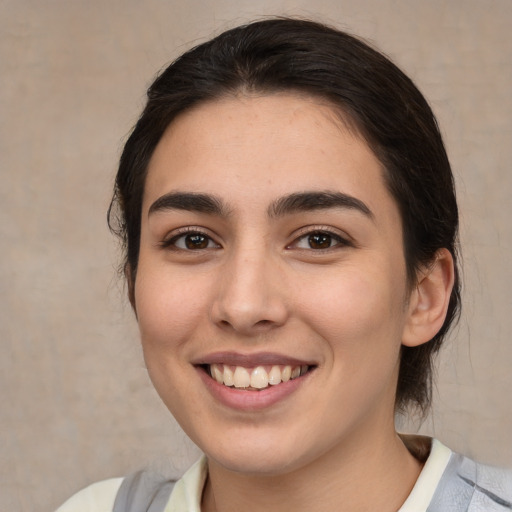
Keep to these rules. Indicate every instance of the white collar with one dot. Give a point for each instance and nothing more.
(188, 491)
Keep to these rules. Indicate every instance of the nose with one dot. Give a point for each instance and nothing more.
(251, 295)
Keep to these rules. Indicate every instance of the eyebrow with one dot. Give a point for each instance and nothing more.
(190, 201)
(286, 205)
(321, 200)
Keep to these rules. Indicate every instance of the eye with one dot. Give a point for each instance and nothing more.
(191, 241)
(319, 240)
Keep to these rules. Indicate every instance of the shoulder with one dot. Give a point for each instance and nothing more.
(450, 482)
(144, 490)
(98, 497)
(465, 481)
(493, 483)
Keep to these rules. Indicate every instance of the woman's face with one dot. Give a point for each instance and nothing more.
(271, 287)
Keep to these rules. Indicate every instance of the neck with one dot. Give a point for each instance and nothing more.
(353, 476)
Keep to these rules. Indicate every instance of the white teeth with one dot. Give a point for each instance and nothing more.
(259, 378)
(217, 373)
(274, 377)
(229, 378)
(241, 377)
(286, 373)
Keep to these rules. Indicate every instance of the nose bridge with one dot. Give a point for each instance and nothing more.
(250, 297)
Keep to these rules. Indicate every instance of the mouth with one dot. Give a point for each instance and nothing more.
(255, 378)
(253, 382)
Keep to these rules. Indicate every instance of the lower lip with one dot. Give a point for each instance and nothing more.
(249, 400)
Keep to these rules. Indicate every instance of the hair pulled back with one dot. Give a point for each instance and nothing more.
(368, 91)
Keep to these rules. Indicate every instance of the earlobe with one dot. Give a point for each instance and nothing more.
(429, 300)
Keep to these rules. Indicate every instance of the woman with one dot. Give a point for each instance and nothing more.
(290, 224)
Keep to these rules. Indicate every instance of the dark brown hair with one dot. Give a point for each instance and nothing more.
(368, 91)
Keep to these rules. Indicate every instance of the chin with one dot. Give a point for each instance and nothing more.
(255, 464)
(261, 457)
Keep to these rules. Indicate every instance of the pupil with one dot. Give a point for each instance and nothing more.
(319, 241)
(196, 242)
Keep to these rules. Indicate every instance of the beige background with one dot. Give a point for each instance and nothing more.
(76, 405)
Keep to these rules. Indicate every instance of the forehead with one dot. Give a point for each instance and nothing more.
(252, 147)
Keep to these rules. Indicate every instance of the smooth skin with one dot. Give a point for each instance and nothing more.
(324, 285)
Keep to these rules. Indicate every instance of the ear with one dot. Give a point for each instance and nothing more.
(130, 281)
(429, 300)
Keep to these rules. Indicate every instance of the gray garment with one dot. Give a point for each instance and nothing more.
(470, 487)
(143, 491)
(464, 487)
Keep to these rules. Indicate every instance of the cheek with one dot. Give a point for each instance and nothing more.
(357, 312)
(360, 321)
(169, 308)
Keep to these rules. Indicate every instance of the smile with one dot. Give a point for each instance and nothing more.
(256, 378)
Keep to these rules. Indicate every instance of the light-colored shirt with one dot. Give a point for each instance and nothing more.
(186, 495)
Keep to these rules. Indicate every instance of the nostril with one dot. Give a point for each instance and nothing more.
(263, 323)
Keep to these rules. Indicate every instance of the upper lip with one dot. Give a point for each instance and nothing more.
(251, 360)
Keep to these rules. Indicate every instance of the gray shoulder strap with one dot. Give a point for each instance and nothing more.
(470, 487)
(143, 492)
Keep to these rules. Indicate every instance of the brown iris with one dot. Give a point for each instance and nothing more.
(320, 241)
(196, 241)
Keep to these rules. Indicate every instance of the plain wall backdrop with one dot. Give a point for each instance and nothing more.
(76, 404)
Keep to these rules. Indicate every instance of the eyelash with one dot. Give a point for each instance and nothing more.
(183, 233)
(335, 239)
(305, 234)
